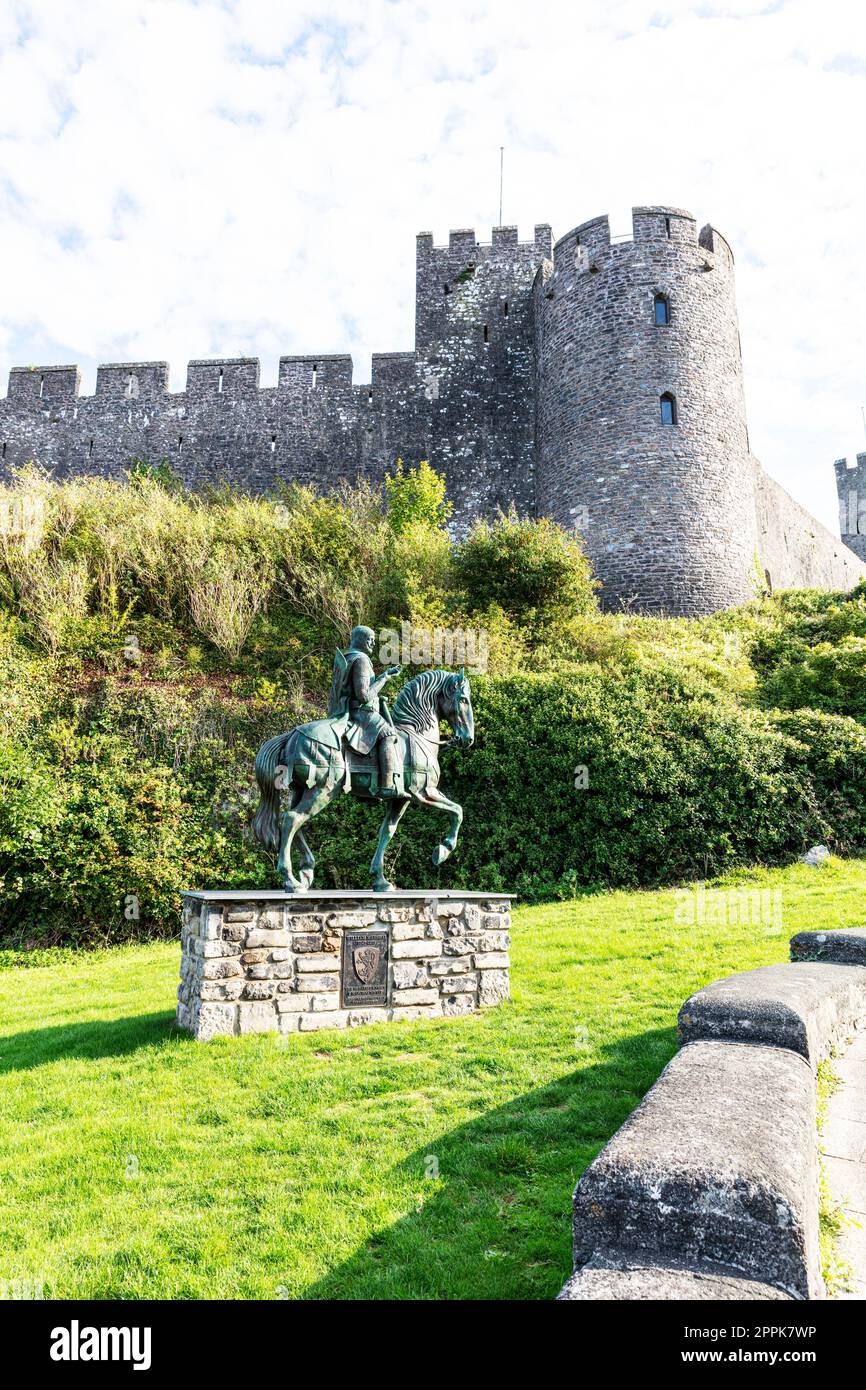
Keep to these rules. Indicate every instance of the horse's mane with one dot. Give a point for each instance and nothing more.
(415, 706)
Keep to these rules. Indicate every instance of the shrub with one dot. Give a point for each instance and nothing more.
(826, 677)
(416, 495)
(533, 570)
(225, 596)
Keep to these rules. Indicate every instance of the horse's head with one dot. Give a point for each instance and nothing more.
(455, 705)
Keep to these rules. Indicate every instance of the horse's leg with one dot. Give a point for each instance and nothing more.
(284, 856)
(386, 832)
(311, 801)
(308, 860)
(432, 796)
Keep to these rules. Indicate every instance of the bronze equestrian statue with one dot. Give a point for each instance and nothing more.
(365, 749)
(355, 687)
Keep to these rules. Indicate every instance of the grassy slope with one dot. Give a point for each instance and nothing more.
(274, 1168)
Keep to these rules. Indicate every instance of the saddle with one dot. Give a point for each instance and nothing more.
(362, 769)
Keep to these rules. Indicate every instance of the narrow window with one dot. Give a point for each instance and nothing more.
(446, 289)
(486, 333)
(129, 384)
(369, 397)
(180, 444)
(662, 308)
(668, 228)
(90, 450)
(668, 406)
(129, 416)
(315, 374)
(220, 383)
(4, 450)
(41, 385)
(273, 443)
(505, 308)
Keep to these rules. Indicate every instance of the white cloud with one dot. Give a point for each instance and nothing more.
(187, 179)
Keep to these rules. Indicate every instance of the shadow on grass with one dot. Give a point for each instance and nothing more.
(100, 1038)
(493, 1217)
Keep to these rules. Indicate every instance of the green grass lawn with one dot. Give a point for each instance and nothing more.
(415, 1160)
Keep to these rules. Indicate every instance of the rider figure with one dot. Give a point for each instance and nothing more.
(356, 689)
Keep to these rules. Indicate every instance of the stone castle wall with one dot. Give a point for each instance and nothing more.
(851, 487)
(795, 551)
(535, 381)
(463, 399)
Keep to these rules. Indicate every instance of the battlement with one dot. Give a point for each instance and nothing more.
(43, 386)
(393, 368)
(664, 226)
(132, 380)
(232, 378)
(312, 371)
(463, 243)
(844, 469)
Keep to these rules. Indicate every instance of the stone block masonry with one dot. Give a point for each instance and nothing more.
(597, 381)
(272, 962)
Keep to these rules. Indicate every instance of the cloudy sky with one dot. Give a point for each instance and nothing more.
(222, 177)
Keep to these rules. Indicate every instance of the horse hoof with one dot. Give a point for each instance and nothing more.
(381, 885)
(440, 854)
(306, 880)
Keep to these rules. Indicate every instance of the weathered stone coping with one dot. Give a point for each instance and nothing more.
(261, 895)
(718, 1163)
(710, 1188)
(808, 1007)
(843, 947)
(633, 1279)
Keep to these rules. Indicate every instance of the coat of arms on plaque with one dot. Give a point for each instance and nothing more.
(366, 959)
(364, 969)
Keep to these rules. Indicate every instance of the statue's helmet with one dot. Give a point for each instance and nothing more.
(361, 635)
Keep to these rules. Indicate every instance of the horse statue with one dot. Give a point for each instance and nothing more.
(315, 762)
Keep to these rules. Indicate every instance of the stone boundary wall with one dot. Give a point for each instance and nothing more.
(263, 962)
(794, 550)
(710, 1188)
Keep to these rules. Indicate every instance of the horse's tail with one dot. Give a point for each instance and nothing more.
(277, 752)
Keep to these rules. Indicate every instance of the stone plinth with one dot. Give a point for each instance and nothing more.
(267, 961)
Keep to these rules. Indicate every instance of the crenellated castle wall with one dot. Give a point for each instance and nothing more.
(535, 381)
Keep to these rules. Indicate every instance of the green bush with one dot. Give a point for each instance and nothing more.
(533, 570)
(825, 677)
(145, 793)
(416, 495)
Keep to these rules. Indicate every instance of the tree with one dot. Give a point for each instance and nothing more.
(416, 495)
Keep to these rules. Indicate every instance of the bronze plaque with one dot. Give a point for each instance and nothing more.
(365, 969)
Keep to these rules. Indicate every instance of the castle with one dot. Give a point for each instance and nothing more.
(597, 381)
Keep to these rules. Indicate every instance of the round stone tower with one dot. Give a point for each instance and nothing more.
(641, 429)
